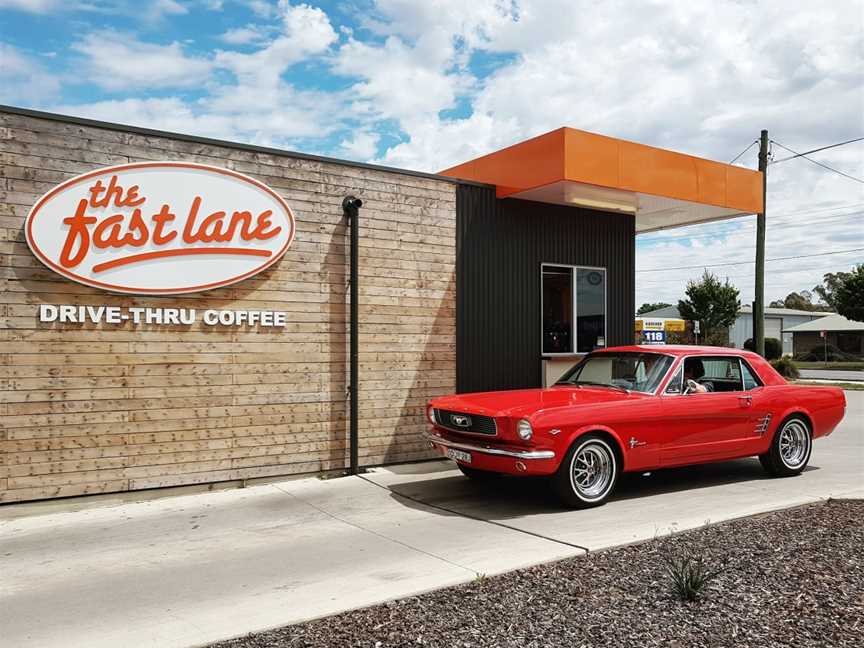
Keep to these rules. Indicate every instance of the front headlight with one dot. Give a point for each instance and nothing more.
(430, 414)
(523, 429)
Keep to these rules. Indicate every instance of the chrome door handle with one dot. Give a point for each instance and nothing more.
(746, 399)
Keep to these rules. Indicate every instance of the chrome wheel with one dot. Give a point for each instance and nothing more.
(794, 444)
(592, 470)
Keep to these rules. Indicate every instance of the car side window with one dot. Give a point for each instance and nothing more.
(676, 385)
(716, 374)
(750, 379)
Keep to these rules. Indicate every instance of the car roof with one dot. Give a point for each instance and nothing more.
(680, 350)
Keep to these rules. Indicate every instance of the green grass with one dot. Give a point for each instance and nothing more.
(845, 366)
(851, 386)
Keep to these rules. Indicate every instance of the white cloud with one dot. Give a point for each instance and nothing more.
(306, 32)
(361, 146)
(407, 83)
(23, 79)
(257, 105)
(170, 114)
(262, 8)
(150, 11)
(33, 6)
(118, 61)
(700, 77)
(156, 10)
(243, 35)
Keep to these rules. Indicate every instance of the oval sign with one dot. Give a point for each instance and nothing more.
(160, 228)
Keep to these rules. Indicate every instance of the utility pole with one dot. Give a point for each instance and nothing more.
(759, 301)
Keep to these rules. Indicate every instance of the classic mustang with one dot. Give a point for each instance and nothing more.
(637, 408)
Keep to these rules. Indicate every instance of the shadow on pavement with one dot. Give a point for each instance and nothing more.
(515, 497)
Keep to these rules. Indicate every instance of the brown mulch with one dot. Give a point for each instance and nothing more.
(790, 578)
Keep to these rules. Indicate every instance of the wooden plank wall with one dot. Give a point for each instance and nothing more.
(105, 408)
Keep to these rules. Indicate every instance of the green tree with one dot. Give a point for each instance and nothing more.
(830, 282)
(713, 304)
(647, 308)
(849, 295)
(799, 301)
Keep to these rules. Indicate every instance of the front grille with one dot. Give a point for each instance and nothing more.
(473, 423)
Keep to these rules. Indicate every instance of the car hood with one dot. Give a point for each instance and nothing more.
(525, 402)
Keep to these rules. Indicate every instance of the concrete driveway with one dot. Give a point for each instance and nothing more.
(187, 570)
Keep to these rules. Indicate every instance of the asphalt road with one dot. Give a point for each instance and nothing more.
(184, 571)
(832, 374)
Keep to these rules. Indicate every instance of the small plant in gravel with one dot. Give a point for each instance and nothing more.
(688, 576)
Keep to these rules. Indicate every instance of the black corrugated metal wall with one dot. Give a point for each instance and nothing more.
(500, 245)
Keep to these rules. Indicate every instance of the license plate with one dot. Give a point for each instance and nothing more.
(458, 455)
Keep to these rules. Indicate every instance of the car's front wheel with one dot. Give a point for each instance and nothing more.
(790, 449)
(588, 473)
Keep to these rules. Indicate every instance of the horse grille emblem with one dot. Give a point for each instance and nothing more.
(460, 420)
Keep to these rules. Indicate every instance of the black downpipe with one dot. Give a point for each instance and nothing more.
(351, 208)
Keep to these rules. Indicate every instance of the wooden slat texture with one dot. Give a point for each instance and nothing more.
(104, 408)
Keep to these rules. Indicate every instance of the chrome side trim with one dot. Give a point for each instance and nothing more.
(762, 425)
(523, 454)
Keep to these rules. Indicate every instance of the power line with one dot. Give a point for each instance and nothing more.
(799, 213)
(749, 227)
(735, 159)
(821, 270)
(824, 166)
(735, 263)
(816, 150)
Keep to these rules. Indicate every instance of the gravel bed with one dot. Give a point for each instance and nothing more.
(790, 578)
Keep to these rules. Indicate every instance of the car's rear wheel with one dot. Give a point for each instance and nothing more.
(588, 473)
(475, 473)
(790, 448)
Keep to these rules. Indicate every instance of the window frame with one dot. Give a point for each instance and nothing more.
(575, 316)
(756, 377)
(742, 363)
(661, 384)
(677, 376)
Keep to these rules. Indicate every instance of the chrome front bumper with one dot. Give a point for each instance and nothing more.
(498, 452)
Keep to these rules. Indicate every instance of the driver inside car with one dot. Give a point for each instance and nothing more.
(693, 371)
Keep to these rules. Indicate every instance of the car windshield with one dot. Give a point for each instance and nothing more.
(640, 372)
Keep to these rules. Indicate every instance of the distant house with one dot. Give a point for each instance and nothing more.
(843, 334)
(777, 320)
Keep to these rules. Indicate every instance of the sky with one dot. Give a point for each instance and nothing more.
(425, 84)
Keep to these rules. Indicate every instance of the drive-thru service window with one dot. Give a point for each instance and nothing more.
(573, 309)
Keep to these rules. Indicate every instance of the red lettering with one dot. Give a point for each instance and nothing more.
(236, 218)
(132, 199)
(112, 225)
(188, 236)
(115, 191)
(129, 228)
(95, 191)
(213, 223)
(136, 224)
(78, 236)
(261, 232)
(161, 219)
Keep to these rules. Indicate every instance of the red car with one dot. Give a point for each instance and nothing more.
(635, 409)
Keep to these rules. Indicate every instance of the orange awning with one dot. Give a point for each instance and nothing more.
(661, 188)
